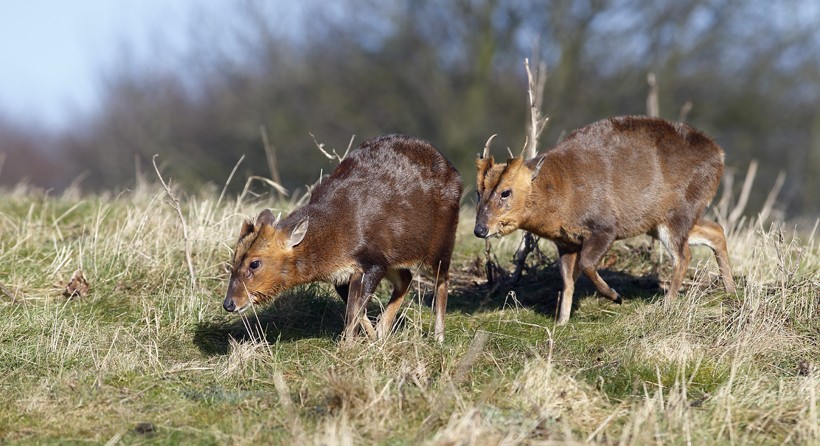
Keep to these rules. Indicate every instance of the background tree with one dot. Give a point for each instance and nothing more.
(450, 72)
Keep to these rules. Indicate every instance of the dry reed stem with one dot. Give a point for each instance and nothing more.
(652, 107)
(228, 181)
(737, 212)
(770, 199)
(270, 156)
(178, 208)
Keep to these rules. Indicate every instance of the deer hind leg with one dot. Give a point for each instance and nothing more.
(592, 250)
(401, 279)
(710, 234)
(678, 249)
(568, 262)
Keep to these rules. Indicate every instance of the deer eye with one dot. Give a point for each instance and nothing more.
(255, 264)
(506, 194)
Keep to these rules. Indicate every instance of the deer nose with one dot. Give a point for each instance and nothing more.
(229, 305)
(480, 230)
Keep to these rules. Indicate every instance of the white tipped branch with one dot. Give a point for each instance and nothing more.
(334, 156)
(537, 124)
(535, 94)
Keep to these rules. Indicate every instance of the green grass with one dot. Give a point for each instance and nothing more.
(148, 358)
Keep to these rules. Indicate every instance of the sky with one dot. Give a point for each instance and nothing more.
(54, 53)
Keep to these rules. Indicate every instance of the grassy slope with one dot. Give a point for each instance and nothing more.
(146, 347)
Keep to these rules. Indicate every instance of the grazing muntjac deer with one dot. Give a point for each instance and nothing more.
(610, 180)
(389, 206)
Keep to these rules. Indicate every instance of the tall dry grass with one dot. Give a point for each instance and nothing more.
(147, 356)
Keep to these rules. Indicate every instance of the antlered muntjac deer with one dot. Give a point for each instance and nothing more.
(389, 206)
(610, 180)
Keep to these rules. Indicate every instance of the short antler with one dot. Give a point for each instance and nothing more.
(487, 147)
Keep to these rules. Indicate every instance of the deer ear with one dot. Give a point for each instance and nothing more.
(247, 228)
(538, 167)
(298, 233)
(266, 218)
(483, 165)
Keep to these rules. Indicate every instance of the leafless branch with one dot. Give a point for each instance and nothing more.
(537, 124)
(334, 156)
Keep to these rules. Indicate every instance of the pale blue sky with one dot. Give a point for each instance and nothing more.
(53, 52)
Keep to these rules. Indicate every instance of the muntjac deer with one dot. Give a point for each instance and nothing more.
(610, 180)
(391, 205)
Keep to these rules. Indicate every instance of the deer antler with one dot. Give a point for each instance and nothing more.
(487, 146)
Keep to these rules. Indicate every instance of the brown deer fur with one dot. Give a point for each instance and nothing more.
(610, 180)
(389, 206)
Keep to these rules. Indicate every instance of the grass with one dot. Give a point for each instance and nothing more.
(147, 358)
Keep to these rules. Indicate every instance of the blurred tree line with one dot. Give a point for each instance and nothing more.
(448, 71)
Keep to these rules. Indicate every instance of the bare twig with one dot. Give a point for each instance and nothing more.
(335, 155)
(489, 265)
(528, 243)
(537, 124)
(230, 177)
(277, 187)
(176, 205)
(270, 155)
(652, 107)
(684, 111)
(737, 212)
(769, 203)
(535, 93)
(309, 189)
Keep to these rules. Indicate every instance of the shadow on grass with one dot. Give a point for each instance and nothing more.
(303, 313)
(316, 312)
(539, 288)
